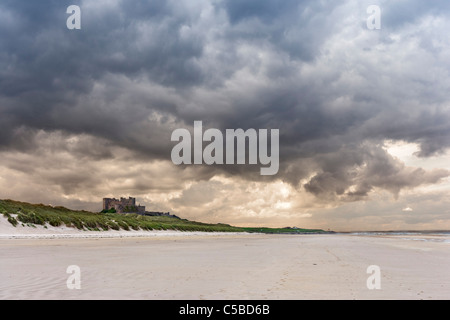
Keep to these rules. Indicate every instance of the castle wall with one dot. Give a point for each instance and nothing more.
(121, 205)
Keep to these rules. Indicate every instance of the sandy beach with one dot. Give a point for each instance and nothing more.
(179, 265)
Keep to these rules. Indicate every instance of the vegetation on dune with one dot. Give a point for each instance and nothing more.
(282, 230)
(39, 214)
(28, 214)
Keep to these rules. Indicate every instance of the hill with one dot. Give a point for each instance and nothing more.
(28, 214)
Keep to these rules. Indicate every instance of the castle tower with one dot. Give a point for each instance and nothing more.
(123, 205)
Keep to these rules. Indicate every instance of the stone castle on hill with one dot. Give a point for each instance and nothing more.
(125, 205)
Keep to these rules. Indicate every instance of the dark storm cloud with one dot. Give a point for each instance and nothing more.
(296, 27)
(50, 72)
(137, 70)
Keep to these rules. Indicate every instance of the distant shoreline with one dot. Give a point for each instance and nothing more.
(400, 232)
(46, 231)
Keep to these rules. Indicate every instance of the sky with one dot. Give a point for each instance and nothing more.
(363, 113)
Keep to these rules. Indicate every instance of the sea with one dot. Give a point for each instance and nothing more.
(427, 236)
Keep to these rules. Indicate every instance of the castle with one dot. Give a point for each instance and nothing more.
(123, 205)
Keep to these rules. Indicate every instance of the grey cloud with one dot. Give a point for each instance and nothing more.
(50, 72)
(364, 169)
(298, 27)
(133, 73)
(397, 14)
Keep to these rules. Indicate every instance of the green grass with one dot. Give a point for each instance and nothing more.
(39, 214)
(282, 230)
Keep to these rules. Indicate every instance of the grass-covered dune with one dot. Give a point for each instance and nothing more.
(26, 214)
(282, 230)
